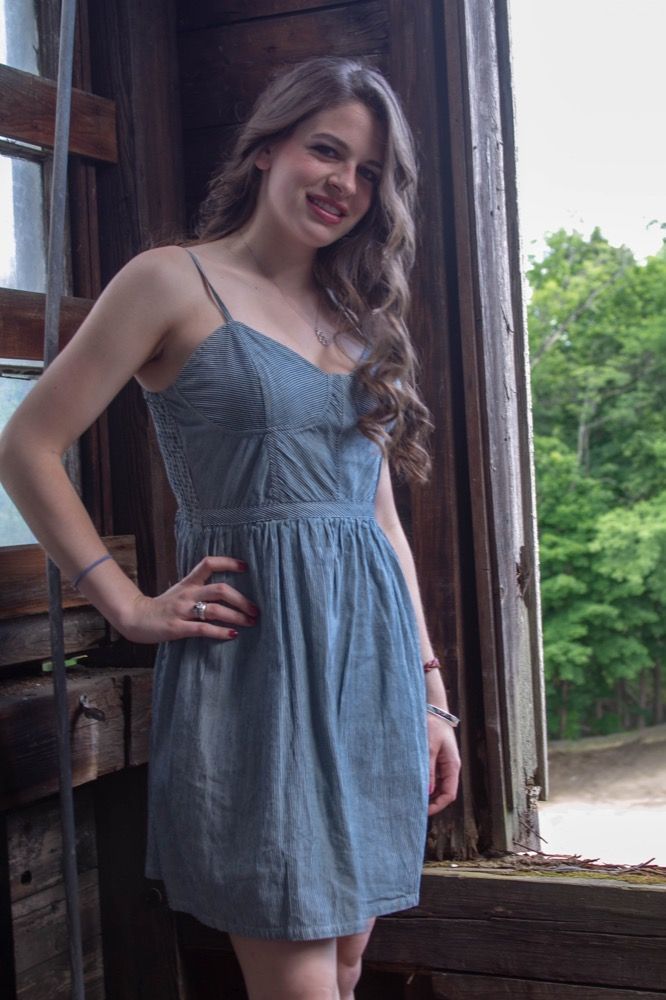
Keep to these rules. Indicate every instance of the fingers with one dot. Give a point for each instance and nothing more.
(225, 603)
(444, 769)
(215, 564)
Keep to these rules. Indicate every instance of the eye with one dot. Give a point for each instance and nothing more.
(368, 174)
(325, 150)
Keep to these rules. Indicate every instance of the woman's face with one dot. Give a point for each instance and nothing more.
(320, 181)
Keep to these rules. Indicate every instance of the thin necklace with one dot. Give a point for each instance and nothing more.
(319, 334)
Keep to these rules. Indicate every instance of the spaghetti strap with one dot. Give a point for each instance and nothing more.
(209, 288)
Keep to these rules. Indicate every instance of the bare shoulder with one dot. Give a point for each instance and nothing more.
(162, 274)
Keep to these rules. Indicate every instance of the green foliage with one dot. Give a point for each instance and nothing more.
(597, 326)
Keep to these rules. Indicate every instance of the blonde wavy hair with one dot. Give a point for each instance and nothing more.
(365, 273)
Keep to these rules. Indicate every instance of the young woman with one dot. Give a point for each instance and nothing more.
(295, 736)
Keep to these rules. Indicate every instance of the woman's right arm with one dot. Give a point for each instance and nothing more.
(125, 329)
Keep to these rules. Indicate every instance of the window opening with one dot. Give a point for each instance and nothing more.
(16, 380)
(19, 38)
(591, 159)
(22, 219)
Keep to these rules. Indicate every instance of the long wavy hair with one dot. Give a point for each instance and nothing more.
(365, 273)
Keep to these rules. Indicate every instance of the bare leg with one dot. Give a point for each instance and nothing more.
(288, 970)
(350, 952)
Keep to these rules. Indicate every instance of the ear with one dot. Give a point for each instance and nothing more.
(263, 158)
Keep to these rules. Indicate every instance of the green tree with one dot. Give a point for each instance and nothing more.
(597, 325)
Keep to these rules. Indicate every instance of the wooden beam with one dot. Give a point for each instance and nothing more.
(99, 745)
(27, 113)
(496, 444)
(439, 509)
(450, 986)
(22, 322)
(29, 638)
(598, 932)
(23, 578)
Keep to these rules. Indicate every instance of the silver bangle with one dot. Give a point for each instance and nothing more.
(452, 720)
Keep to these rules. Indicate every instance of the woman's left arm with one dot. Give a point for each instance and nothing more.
(444, 756)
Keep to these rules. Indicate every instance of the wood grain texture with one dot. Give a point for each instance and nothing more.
(223, 69)
(455, 987)
(595, 934)
(52, 979)
(440, 509)
(491, 337)
(27, 113)
(22, 322)
(40, 926)
(208, 13)
(27, 722)
(28, 638)
(23, 588)
(34, 838)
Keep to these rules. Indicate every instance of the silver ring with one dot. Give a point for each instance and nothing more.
(200, 610)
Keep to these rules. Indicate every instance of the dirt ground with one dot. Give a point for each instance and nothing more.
(608, 798)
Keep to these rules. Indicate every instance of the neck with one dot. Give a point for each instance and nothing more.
(288, 265)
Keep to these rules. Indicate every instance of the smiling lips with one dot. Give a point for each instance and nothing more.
(330, 212)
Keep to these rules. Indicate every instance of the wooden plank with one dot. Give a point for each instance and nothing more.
(27, 721)
(223, 69)
(449, 986)
(590, 957)
(40, 924)
(28, 638)
(23, 588)
(491, 339)
(34, 843)
(576, 903)
(438, 509)
(207, 13)
(27, 113)
(52, 979)
(22, 322)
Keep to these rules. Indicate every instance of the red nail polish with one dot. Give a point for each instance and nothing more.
(242, 566)
(232, 633)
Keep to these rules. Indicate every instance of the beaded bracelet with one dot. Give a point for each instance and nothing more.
(452, 720)
(433, 664)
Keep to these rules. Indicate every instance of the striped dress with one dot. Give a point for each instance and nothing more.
(288, 767)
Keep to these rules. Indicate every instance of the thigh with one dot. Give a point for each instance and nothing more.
(288, 970)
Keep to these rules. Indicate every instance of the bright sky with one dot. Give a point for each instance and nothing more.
(590, 94)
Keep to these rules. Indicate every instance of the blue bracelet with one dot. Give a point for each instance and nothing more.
(84, 572)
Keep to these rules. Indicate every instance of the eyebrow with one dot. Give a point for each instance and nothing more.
(344, 147)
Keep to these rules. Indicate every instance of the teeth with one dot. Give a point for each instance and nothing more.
(326, 207)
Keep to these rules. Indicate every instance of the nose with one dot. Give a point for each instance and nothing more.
(343, 178)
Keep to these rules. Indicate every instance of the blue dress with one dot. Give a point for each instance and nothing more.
(288, 772)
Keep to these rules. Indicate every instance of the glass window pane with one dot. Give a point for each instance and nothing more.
(22, 218)
(19, 43)
(13, 529)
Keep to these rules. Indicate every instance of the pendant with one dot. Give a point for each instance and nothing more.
(322, 338)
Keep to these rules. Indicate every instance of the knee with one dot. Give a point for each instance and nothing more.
(349, 973)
